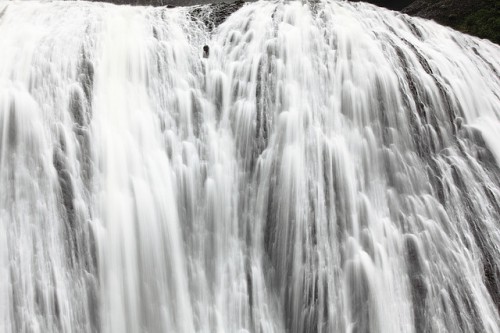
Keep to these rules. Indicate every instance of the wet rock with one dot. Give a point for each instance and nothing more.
(419, 289)
(216, 13)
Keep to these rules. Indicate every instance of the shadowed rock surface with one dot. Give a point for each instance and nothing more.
(217, 13)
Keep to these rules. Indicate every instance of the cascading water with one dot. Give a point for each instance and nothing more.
(330, 167)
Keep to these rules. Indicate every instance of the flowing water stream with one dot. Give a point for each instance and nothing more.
(330, 167)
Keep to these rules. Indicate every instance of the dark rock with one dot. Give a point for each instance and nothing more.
(217, 13)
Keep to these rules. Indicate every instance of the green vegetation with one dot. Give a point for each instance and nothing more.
(475, 17)
(484, 23)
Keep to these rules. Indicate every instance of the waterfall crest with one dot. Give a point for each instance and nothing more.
(330, 167)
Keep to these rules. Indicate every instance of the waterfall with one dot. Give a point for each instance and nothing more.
(330, 167)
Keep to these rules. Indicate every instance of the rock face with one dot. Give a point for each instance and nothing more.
(476, 17)
(217, 13)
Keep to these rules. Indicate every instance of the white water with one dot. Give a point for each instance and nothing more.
(329, 168)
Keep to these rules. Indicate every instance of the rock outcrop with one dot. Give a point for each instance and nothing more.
(216, 13)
